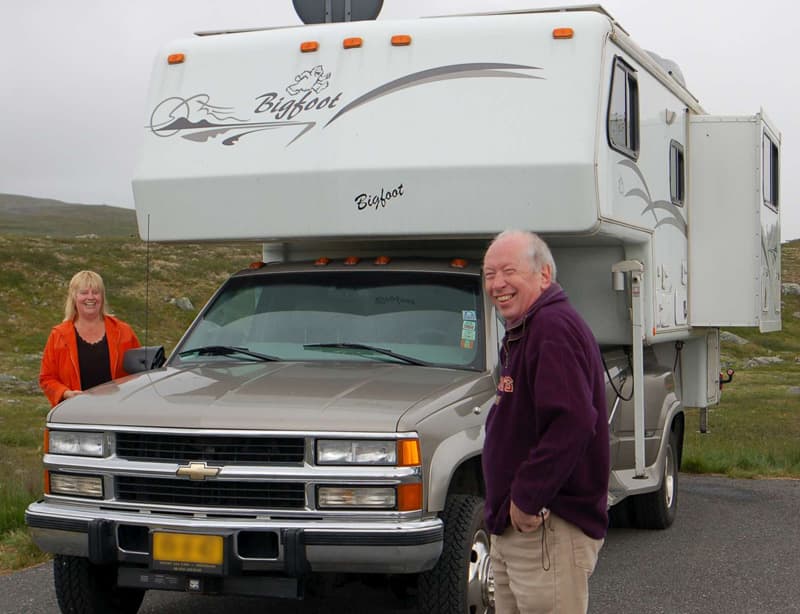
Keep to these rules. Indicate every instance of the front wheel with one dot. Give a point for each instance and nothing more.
(657, 510)
(85, 588)
(462, 581)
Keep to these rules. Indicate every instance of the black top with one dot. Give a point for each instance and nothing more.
(94, 363)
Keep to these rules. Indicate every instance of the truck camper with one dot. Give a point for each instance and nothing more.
(324, 413)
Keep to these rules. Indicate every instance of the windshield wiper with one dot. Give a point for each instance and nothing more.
(227, 350)
(369, 348)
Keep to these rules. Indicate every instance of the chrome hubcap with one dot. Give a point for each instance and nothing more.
(480, 579)
(669, 477)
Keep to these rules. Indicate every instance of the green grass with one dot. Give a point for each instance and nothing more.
(753, 432)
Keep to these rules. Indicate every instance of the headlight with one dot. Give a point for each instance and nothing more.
(356, 497)
(76, 485)
(76, 443)
(356, 452)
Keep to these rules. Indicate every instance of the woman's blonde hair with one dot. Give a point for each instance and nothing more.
(79, 281)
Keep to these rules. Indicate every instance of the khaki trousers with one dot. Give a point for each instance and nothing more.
(550, 576)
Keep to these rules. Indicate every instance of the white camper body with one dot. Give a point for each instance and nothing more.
(481, 123)
(553, 121)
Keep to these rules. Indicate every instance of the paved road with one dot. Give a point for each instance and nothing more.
(734, 549)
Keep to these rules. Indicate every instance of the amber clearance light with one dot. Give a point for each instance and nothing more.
(409, 497)
(176, 58)
(563, 33)
(408, 454)
(401, 40)
(353, 42)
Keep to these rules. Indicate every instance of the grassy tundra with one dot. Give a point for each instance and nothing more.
(752, 433)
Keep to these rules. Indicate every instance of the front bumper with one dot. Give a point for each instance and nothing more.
(288, 547)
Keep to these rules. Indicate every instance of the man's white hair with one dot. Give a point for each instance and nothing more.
(538, 252)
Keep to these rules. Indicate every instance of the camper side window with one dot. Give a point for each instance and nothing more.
(769, 166)
(623, 110)
(677, 173)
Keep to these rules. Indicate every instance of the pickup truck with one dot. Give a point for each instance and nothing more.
(318, 418)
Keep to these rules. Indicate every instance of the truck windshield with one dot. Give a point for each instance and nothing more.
(426, 319)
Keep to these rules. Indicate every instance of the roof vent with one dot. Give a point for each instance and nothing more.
(327, 11)
(670, 67)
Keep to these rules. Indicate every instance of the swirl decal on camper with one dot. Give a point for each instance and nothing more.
(454, 71)
(674, 215)
(196, 119)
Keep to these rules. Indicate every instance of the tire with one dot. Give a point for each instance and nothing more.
(657, 510)
(462, 581)
(620, 516)
(84, 588)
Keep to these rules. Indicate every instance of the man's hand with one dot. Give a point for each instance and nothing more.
(527, 523)
(68, 394)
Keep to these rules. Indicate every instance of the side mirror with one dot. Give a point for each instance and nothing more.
(143, 359)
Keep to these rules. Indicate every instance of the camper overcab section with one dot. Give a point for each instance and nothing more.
(324, 413)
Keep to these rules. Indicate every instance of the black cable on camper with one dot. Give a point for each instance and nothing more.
(611, 380)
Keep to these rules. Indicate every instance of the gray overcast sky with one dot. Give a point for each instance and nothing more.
(74, 76)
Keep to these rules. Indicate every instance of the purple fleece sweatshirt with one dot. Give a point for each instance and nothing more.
(547, 433)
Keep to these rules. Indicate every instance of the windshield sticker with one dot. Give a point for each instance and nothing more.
(298, 110)
(468, 325)
(469, 315)
(468, 334)
(467, 344)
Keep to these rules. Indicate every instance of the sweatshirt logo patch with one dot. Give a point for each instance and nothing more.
(506, 384)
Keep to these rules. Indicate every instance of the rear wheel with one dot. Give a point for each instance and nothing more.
(462, 581)
(656, 510)
(85, 588)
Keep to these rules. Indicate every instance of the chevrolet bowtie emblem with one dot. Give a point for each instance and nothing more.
(197, 471)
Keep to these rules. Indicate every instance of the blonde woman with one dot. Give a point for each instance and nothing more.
(86, 349)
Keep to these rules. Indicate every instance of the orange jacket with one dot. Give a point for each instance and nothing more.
(60, 372)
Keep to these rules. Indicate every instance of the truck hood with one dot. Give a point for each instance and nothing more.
(274, 396)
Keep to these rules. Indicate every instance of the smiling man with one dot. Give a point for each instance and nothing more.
(546, 455)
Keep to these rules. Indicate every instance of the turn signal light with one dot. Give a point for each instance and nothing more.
(408, 454)
(409, 497)
(257, 264)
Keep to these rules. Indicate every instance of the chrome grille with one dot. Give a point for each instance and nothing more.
(213, 493)
(228, 449)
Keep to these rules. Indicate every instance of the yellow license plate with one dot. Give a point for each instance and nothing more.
(188, 549)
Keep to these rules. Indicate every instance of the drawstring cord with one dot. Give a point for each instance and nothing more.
(545, 549)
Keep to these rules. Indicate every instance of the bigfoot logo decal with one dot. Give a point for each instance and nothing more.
(299, 109)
